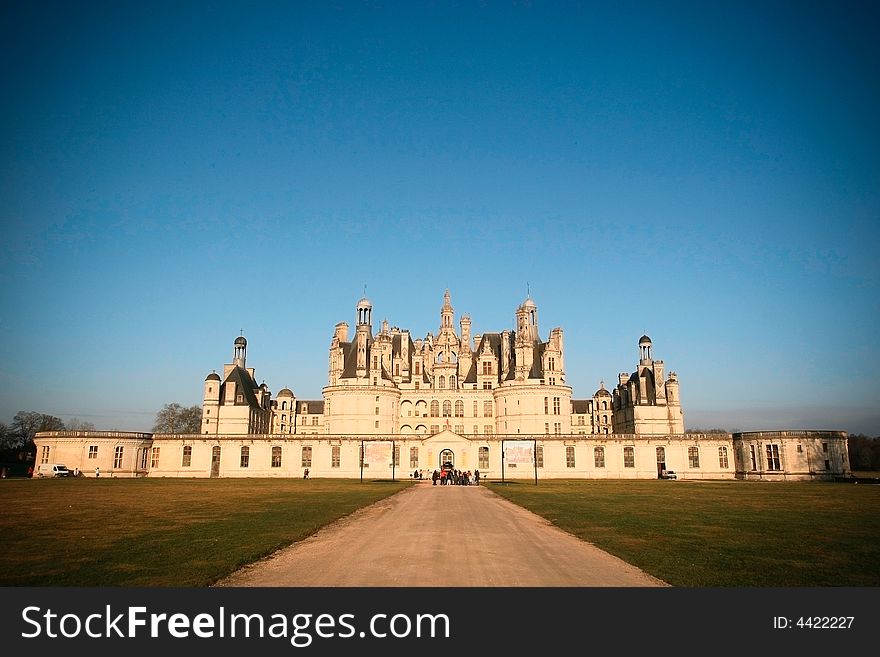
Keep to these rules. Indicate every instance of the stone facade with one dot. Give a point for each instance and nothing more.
(453, 398)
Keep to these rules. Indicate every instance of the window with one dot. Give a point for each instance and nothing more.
(377, 411)
(117, 457)
(551, 363)
(539, 456)
(154, 458)
(753, 457)
(825, 447)
(556, 406)
(487, 368)
(484, 458)
(722, 457)
(375, 362)
(569, 456)
(629, 457)
(459, 429)
(599, 456)
(435, 408)
(334, 456)
(459, 408)
(557, 428)
(694, 457)
(44, 454)
(417, 385)
(476, 408)
(488, 430)
(315, 421)
(487, 385)
(546, 406)
(413, 457)
(187, 456)
(239, 398)
(418, 367)
(441, 382)
(396, 456)
(452, 382)
(447, 408)
(487, 409)
(245, 457)
(435, 428)
(546, 428)
(476, 429)
(800, 449)
(580, 420)
(773, 458)
(93, 451)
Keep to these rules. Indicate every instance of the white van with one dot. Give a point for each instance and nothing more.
(53, 470)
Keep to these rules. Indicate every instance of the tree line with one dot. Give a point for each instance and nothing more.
(19, 434)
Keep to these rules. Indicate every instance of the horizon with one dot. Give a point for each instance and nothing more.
(705, 175)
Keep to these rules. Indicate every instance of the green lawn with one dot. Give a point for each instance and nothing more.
(161, 532)
(730, 533)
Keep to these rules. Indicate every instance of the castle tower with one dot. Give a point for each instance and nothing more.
(239, 352)
(211, 403)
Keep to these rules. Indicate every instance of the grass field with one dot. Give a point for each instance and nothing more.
(731, 533)
(161, 532)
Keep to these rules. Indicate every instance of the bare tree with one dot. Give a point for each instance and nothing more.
(27, 423)
(75, 424)
(174, 418)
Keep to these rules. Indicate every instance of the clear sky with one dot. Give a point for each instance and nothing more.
(705, 173)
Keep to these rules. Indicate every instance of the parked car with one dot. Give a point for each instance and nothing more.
(668, 474)
(53, 470)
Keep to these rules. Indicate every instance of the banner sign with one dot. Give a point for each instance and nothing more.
(519, 451)
(377, 453)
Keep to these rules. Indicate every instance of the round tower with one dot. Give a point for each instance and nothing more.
(211, 403)
(645, 356)
(239, 352)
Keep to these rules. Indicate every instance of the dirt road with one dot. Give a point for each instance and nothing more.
(441, 536)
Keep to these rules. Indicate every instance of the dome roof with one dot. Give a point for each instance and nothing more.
(528, 303)
(213, 376)
(601, 392)
(240, 341)
(364, 303)
(644, 340)
(285, 392)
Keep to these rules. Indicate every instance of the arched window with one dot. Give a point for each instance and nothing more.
(447, 408)
(459, 408)
(284, 406)
(484, 458)
(435, 408)
(604, 405)
(441, 382)
(439, 356)
(452, 382)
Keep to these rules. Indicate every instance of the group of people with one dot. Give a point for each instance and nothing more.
(451, 477)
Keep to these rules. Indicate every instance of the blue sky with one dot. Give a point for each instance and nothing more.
(703, 172)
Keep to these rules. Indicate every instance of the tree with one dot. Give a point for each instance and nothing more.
(27, 423)
(75, 424)
(174, 418)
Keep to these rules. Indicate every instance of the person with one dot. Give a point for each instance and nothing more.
(434, 477)
(415, 474)
(306, 473)
(76, 472)
(97, 472)
(476, 477)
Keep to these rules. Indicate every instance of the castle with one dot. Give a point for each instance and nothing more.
(453, 399)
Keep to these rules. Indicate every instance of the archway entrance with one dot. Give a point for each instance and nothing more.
(447, 459)
(661, 462)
